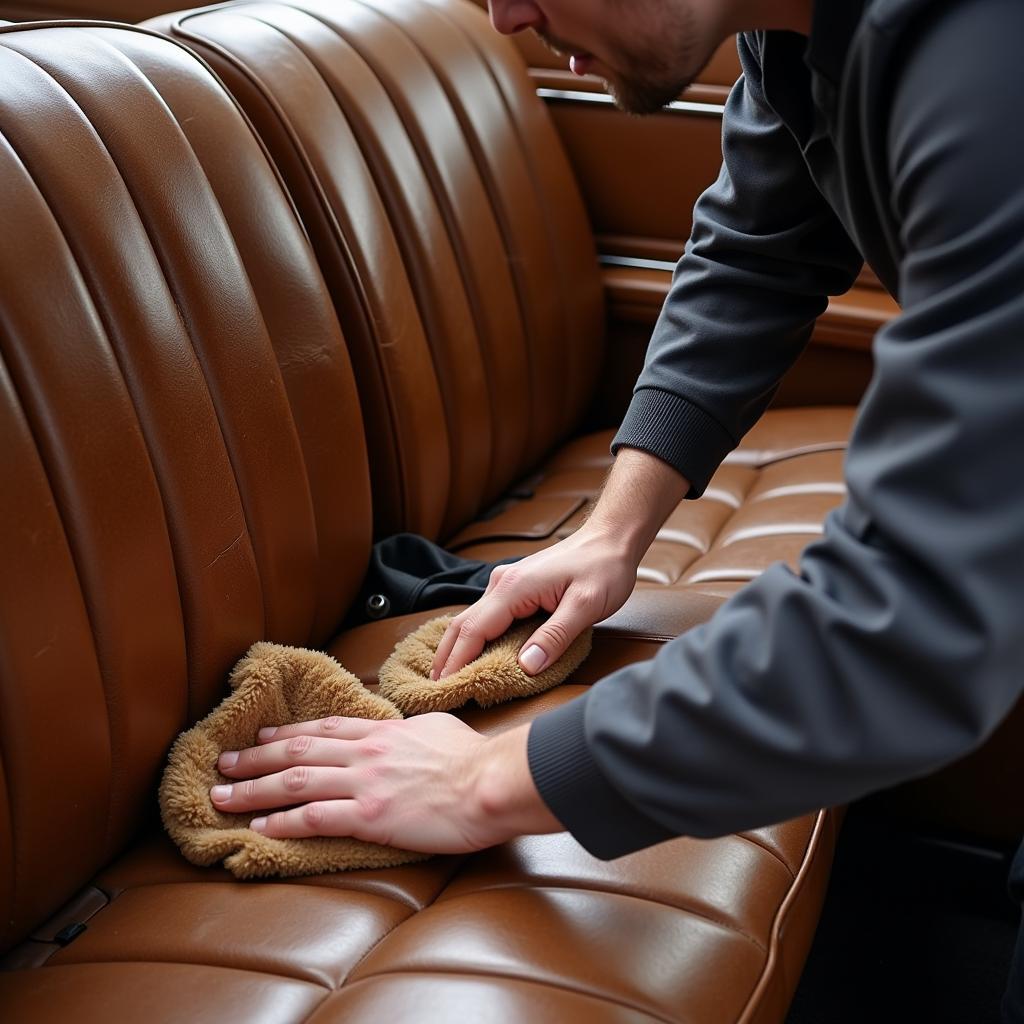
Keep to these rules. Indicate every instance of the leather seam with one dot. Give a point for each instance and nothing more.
(812, 449)
(811, 850)
(391, 930)
(420, 147)
(191, 963)
(746, 837)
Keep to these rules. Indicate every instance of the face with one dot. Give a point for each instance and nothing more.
(647, 51)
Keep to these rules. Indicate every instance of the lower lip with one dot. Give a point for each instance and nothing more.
(579, 63)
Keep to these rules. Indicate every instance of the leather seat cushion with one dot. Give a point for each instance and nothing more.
(535, 929)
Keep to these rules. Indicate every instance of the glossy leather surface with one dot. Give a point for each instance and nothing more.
(767, 501)
(185, 447)
(690, 930)
(181, 431)
(449, 226)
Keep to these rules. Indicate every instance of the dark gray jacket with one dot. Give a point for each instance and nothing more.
(900, 645)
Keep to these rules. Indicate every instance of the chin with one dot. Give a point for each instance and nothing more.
(640, 99)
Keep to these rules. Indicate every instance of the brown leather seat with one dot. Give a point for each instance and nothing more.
(455, 243)
(185, 473)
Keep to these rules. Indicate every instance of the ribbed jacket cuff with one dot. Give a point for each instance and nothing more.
(577, 793)
(677, 432)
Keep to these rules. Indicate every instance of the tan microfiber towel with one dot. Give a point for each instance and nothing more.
(494, 677)
(272, 685)
(277, 685)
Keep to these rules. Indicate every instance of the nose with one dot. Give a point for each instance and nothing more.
(511, 16)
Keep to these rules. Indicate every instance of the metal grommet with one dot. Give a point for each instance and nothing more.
(378, 606)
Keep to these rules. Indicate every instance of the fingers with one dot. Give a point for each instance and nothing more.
(325, 818)
(333, 727)
(444, 648)
(552, 640)
(296, 785)
(495, 578)
(490, 617)
(452, 633)
(467, 634)
(282, 754)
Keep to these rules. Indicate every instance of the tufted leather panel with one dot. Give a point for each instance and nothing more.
(177, 449)
(767, 501)
(408, 130)
(688, 931)
(691, 930)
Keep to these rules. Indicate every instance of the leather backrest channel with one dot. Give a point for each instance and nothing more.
(182, 444)
(448, 225)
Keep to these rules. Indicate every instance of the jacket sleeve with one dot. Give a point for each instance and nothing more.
(900, 644)
(765, 251)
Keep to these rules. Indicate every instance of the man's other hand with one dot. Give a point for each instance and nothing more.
(580, 581)
(430, 784)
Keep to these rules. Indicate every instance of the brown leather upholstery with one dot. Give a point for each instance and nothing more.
(185, 473)
(765, 504)
(182, 437)
(407, 130)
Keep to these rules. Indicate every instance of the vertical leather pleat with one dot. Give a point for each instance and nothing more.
(183, 457)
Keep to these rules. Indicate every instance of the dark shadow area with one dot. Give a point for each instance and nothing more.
(915, 928)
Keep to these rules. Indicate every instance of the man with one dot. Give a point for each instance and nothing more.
(882, 129)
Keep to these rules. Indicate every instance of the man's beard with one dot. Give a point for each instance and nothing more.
(654, 79)
(645, 95)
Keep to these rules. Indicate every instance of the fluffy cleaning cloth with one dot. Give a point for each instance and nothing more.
(272, 685)
(492, 678)
(276, 685)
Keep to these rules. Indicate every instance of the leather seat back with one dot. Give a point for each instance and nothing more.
(182, 444)
(410, 134)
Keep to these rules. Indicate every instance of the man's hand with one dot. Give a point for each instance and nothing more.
(430, 784)
(580, 580)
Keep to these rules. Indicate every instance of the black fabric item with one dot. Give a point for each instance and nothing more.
(409, 573)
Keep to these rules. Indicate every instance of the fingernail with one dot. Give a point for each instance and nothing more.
(258, 824)
(220, 793)
(268, 733)
(433, 674)
(532, 659)
(444, 673)
(229, 759)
